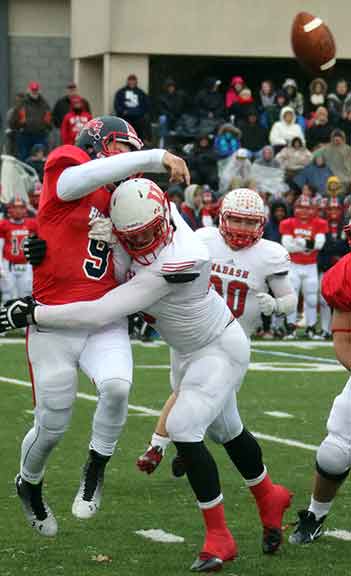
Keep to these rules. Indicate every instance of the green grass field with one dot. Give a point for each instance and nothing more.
(291, 383)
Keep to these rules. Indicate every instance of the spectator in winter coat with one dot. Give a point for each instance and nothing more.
(285, 130)
(242, 106)
(191, 209)
(318, 95)
(337, 100)
(172, 103)
(32, 119)
(314, 174)
(237, 83)
(337, 155)
(266, 95)
(227, 140)
(253, 136)
(295, 98)
(209, 101)
(37, 159)
(132, 104)
(238, 165)
(320, 130)
(203, 163)
(63, 105)
(278, 212)
(266, 158)
(294, 157)
(272, 113)
(345, 125)
(74, 121)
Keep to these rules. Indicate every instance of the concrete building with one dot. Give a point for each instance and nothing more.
(99, 42)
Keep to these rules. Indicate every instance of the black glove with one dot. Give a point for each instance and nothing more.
(34, 249)
(309, 244)
(17, 313)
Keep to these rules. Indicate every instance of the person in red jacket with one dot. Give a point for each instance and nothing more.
(15, 272)
(74, 120)
(304, 236)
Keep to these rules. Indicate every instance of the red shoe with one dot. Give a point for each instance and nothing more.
(219, 547)
(271, 509)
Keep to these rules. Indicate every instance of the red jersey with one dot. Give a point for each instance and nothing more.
(74, 268)
(308, 230)
(336, 284)
(72, 124)
(14, 233)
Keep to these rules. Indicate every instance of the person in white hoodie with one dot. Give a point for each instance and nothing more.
(283, 131)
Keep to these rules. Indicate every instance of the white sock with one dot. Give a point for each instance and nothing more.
(162, 441)
(319, 509)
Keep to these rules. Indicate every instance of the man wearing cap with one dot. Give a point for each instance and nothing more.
(32, 119)
(74, 121)
(131, 103)
(63, 105)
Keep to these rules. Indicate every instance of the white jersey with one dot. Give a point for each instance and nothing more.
(238, 275)
(173, 292)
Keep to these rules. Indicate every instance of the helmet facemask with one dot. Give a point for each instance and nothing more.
(240, 230)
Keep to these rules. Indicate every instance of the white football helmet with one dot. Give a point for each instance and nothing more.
(246, 205)
(140, 213)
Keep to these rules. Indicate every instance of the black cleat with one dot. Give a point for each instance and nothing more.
(272, 539)
(35, 508)
(88, 498)
(308, 528)
(178, 467)
(207, 563)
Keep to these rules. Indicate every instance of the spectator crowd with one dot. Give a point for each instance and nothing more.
(285, 144)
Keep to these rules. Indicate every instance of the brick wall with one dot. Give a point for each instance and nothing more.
(43, 59)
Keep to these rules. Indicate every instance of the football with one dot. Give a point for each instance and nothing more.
(313, 43)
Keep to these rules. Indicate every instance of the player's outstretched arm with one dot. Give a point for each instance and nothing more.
(78, 181)
(138, 294)
(284, 299)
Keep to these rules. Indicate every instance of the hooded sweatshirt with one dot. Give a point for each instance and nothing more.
(191, 214)
(232, 96)
(282, 133)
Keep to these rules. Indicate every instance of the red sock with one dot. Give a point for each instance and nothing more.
(218, 540)
(262, 489)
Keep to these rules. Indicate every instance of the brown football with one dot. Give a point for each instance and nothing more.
(313, 43)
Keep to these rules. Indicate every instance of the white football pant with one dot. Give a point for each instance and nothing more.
(206, 383)
(17, 280)
(304, 277)
(54, 358)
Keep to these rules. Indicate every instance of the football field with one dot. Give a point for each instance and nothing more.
(285, 400)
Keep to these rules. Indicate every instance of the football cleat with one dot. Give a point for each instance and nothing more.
(218, 548)
(308, 528)
(150, 460)
(271, 509)
(88, 499)
(310, 333)
(178, 466)
(290, 332)
(35, 508)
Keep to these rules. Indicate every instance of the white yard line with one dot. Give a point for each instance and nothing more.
(151, 412)
(278, 414)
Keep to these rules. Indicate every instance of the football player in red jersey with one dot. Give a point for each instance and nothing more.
(333, 460)
(76, 189)
(15, 272)
(303, 236)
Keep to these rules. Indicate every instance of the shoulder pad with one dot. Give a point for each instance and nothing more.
(65, 156)
(336, 285)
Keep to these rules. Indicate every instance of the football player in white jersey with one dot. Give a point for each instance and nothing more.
(170, 272)
(245, 267)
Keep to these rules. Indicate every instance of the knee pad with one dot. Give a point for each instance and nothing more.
(54, 413)
(310, 298)
(222, 431)
(333, 457)
(114, 391)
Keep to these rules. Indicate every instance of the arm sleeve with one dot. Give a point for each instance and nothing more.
(336, 287)
(319, 241)
(78, 181)
(283, 293)
(290, 243)
(138, 294)
(121, 262)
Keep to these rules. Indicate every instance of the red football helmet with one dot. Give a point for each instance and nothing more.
(334, 210)
(304, 208)
(241, 218)
(17, 209)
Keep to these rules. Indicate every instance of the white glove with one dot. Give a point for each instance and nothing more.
(300, 243)
(266, 303)
(101, 230)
